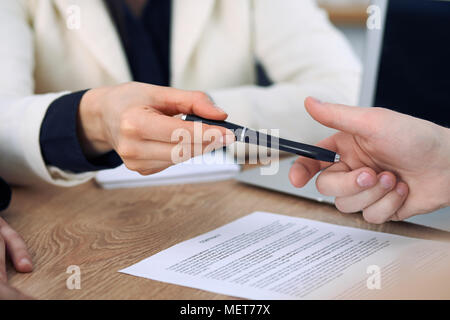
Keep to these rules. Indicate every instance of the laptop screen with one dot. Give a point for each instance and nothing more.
(414, 65)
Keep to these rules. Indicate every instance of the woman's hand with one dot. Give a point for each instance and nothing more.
(139, 122)
(9, 293)
(13, 244)
(392, 167)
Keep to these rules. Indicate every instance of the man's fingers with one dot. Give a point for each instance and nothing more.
(16, 248)
(174, 101)
(339, 181)
(364, 199)
(387, 207)
(304, 169)
(3, 277)
(348, 119)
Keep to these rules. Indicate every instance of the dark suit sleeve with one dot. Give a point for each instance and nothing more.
(59, 142)
(5, 195)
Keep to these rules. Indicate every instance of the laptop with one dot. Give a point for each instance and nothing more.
(407, 67)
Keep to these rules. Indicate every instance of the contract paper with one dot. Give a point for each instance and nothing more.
(271, 256)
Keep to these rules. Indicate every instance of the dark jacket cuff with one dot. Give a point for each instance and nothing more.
(59, 141)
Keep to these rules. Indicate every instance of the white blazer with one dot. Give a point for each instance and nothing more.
(214, 46)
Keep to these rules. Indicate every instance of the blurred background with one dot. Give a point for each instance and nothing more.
(350, 17)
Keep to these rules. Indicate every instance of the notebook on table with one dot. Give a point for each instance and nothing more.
(215, 166)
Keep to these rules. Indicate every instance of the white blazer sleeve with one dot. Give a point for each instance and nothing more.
(21, 111)
(304, 55)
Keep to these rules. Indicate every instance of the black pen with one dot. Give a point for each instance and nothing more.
(254, 137)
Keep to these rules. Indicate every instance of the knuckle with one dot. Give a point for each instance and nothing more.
(200, 95)
(377, 111)
(128, 124)
(376, 116)
(12, 235)
(129, 85)
(127, 151)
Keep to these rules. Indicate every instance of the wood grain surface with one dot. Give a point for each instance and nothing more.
(104, 231)
(347, 15)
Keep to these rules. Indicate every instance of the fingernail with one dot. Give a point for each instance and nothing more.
(316, 100)
(227, 139)
(220, 109)
(386, 181)
(24, 262)
(364, 180)
(401, 189)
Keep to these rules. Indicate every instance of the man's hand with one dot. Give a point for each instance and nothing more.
(138, 121)
(392, 167)
(12, 242)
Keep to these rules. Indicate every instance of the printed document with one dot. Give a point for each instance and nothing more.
(272, 256)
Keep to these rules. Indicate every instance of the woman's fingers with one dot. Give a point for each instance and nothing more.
(385, 208)
(365, 198)
(3, 277)
(153, 126)
(16, 248)
(169, 152)
(174, 101)
(12, 242)
(148, 136)
(339, 181)
(9, 293)
(151, 157)
(147, 167)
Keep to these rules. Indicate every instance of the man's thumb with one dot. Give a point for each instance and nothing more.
(348, 119)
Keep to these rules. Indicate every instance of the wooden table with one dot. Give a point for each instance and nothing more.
(347, 15)
(104, 231)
